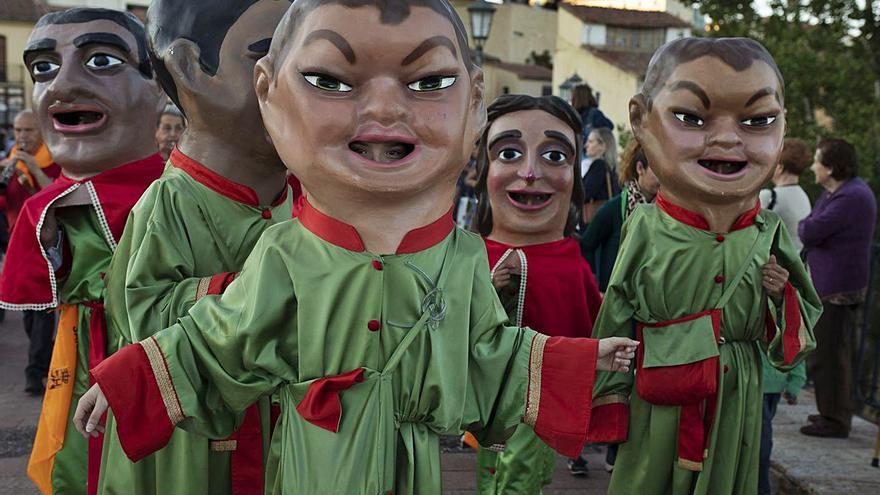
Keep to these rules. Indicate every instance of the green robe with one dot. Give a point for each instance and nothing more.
(89, 256)
(666, 270)
(179, 235)
(308, 318)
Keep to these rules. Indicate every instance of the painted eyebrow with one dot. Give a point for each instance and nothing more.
(39, 45)
(428, 45)
(101, 39)
(261, 46)
(768, 91)
(693, 88)
(337, 40)
(562, 138)
(513, 133)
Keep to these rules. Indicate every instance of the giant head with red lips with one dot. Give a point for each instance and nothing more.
(94, 92)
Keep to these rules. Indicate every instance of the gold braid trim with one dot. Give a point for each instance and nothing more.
(536, 364)
(202, 288)
(690, 465)
(223, 445)
(163, 380)
(610, 399)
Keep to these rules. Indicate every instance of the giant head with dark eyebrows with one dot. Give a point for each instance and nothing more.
(94, 93)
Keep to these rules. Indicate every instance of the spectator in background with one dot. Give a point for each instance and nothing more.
(600, 178)
(171, 125)
(788, 200)
(600, 242)
(837, 237)
(28, 169)
(587, 106)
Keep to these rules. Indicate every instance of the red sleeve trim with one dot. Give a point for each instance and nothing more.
(558, 405)
(142, 421)
(794, 338)
(214, 285)
(609, 422)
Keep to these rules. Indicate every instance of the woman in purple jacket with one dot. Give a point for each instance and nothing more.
(837, 238)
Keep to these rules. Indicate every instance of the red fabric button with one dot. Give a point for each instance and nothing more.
(720, 238)
(726, 369)
(374, 325)
(719, 279)
(267, 213)
(377, 265)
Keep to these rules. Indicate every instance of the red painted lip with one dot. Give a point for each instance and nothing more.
(526, 207)
(78, 128)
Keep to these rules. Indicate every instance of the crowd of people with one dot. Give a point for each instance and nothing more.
(284, 304)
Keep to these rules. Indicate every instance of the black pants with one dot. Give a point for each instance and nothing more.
(830, 365)
(770, 403)
(40, 329)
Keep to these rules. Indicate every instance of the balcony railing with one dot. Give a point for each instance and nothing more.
(14, 74)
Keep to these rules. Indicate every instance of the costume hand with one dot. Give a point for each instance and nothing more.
(775, 278)
(789, 399)
(89, 410)
(501, 277)
(615, 354)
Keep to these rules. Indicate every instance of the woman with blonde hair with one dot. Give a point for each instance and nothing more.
(600, 177)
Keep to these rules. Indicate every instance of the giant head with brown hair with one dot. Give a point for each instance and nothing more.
(711, 120)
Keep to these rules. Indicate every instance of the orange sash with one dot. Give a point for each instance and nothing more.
(43, 158)
(56, 403)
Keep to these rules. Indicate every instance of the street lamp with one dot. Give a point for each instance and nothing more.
(480, 13)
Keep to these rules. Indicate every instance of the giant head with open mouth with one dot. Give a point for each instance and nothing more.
(94, 92)
(711, 120)
(528, 160)
(372, 103)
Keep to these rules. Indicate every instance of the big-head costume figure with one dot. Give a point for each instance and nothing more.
(370, 315)
(97, 104)
(705, 277)
(195, 226)
(529, 205)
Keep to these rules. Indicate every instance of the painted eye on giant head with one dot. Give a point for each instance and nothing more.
(555, 157)
(432, 83)
(509, 155)
(102, 61)
(327, 83)
(764, 121)
(689, 119)
(43, 68)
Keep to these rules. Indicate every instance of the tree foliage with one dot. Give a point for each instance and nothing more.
(829, 53)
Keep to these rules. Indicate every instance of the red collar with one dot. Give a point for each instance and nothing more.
(345, 236)
(217, 183)
(696, 220)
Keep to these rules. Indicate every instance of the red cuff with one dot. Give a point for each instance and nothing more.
(793, 340)
(215, 285)
(561, 375)
(609, 422)
(142, 422)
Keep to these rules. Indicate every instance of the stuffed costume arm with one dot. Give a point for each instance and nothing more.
(611, 392)
(518, 375)
(218, 360)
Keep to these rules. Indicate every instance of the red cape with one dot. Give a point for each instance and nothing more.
(28, 281)
(562, 298)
